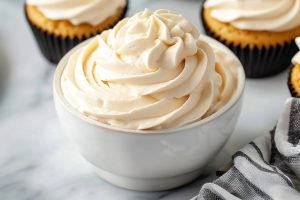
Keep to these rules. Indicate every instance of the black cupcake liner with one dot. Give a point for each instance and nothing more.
(55, 47)
(290, 85)
(259, 62)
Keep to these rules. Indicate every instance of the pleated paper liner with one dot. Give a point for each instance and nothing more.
(260, 62)
(290, 85)
(55, 47)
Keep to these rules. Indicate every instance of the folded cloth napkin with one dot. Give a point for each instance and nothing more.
(267, 168)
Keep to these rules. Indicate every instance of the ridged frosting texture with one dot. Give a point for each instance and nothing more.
(152, 71)
(257, 15)
(296, 58)
(92, 12)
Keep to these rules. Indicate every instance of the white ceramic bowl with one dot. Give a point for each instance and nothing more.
(149, 160)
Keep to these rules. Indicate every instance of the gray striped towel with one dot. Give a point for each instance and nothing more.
(267, 168)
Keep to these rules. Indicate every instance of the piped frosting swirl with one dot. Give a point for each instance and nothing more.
(92, 12)
(151, 71)
(257, 15)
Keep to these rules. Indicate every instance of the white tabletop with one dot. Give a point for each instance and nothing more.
(37, 161)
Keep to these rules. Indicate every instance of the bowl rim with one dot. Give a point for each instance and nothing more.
(59, 98)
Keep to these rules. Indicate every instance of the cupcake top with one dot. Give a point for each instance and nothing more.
(92, 12)
(151, 71)
(257, 15)
(296, 58)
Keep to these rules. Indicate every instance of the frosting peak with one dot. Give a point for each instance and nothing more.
(150, 71)
(296, 58)
(257, 15)
(158, 39)
(78, 11)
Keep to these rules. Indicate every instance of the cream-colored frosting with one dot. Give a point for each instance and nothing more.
(296, 58)
(257, 15)
(151, 71)
(78, 11)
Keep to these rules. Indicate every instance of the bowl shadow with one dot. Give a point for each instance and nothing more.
(4, 69)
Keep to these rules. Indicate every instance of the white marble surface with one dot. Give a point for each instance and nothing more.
(37, 161)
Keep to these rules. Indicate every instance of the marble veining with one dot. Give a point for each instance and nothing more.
(38, 161)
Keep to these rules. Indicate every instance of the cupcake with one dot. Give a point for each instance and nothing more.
(61, 24)
(260, 32)
(151, 71)
(294, 78)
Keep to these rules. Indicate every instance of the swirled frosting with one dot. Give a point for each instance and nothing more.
(257, 15)
(296, 58)
(78, 11)
(151, 71)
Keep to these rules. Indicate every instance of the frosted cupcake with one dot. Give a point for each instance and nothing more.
(59, 25)
(294, 78)
(260, 32)
(151, 71)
